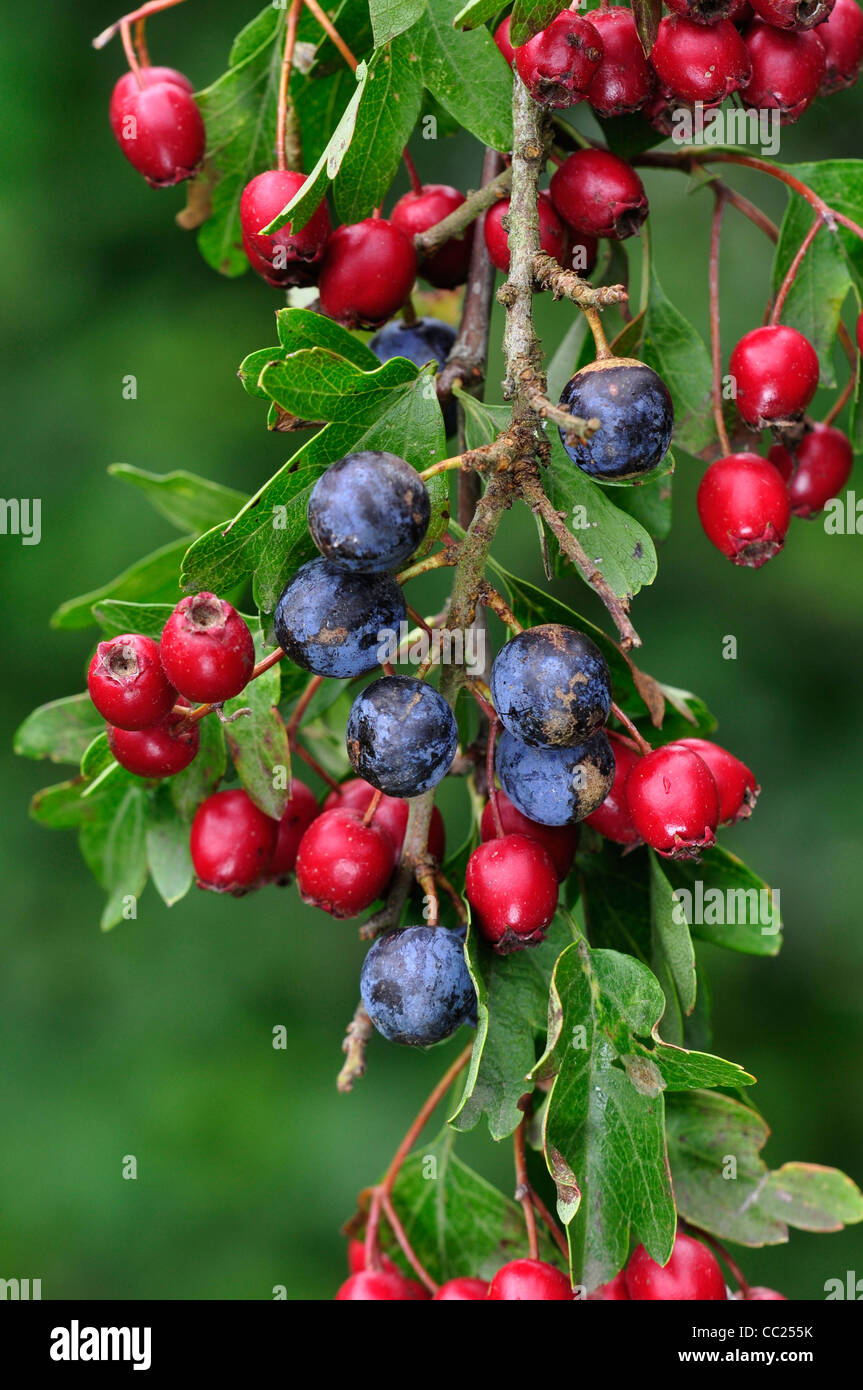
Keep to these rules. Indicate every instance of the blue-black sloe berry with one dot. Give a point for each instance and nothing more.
(635, 414)
(369, 511)
(415, 985)
(401, 735)
(556, 785)
(331, 621)
(551, 686)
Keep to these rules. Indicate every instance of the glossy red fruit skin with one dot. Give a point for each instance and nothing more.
(776, 374)
(612, 818)
(416, 212)
(128, 84)
(162, 750)
(615, 1291)
(599, 194)
(759, 1294)
(823, 466)
(530, 1281)
(552, 233)
(462, 1290)
(501, 38)
(793, 14)
(232, 843)
(512, 887)
(744, 508)
(787, 70)
(127, 684)
(705, 11)
(357, 1259)
(381, 1286)
(692, 1274)
(367, 274)
(342, 865)
(285, 257)
(697, 63)
(301, 810)
(391, 815)
(842, 37)
(736, 784)
(674, 802)
(207, 649)
(624, 78)
(160, 130)
(559, 63)
(559, 841)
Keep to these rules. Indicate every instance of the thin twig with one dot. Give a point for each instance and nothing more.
(357, 1035)
(549, 274)
(715, 337)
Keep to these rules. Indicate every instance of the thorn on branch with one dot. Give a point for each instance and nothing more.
(549, 274)
(357, 1035)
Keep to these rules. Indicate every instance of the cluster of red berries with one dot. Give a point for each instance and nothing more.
(746, 502)
(692, 1274)
(768, 51)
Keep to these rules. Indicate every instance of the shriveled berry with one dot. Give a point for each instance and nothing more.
(161, 750)
(301, 810)
(284, 257)
(598, 194)
(367, 273)
(700, 63)
(380, 1286)
(558, 64)
(232, 843)
(342, 865)
(551, 686)
(555, 786)
(401, 735)
(824, 459)
(793, 14)
(415, 212)
(463, 1290)
(391, 813)
(788, 69)
(842, 37)
(416, 987)
(744, 508)
(624, 79)
(635, 412)
(207, 649)
(127, 684)
(559, 841)
(612, 818)
(775, 370)
(615, 1291)
(369, 511)
(692, 1274)
(736, 784)
(333, 622)
(512, 886)
(530, 1281)
(552, 233)
(674, 802)
(158, 126)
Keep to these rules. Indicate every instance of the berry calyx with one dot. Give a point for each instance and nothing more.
(342, 865)
(674, 802)
(612, 819)
(793, 14)
(551, 686)
(824, 459)
(530, 1281)
(599, 194)
(127, 684)
(329, 620)
(700, 63)
(161, 750)
(369, 511)
(511, 885)
(301, 810)
(232, 843)
(552, 233)
(705, 11)
(401, 735)
(624, 79)
(283, 257)
(615, 1291)
(788, 69)
(367, 273)
(555, 786)
(692, 1274)
(391, 813)
(463, 1290)
(736, 784)
(501, 38)
(380, 1286)
(775, 370)
(207, 650)
(635, 412)
(158, 126)
(842, 37)
(416, 212)
(744, 508)
(415, 985)
(558, 64)
(559, 841)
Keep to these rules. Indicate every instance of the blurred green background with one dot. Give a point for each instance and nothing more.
(156, 1040)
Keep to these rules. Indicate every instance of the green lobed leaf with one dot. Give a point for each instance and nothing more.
(191, 786)
(259, 741)
(529, 16)
(673, 348)
(392, 17)
(467, 74)
(320, 103)
(726, 903)
(117, 618)
(649, 504)
(190, 503)
(673, 956)
(476, 12)
(385, 118)
(60, 730)
(482, 423)
(303, 328)
(114, 847)
(151, 580)
(167, 839)
(316, 384)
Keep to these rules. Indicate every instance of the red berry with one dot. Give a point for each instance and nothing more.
(301, 810)
(599, 194)
(158, 126)
(368, 272)
(824, 460)
(706, 11)
(775, 370)
(674, 802)
(512, 886)
(842, 37)
(787, 70)
(552, 233)
(357, 1258)
(501, 38)
(737, 787)
(624, 78)
(391, 815)
(284, 258)
(530, 1281)
(558, 64)
(744, 509)
(232, 843)
(343, 865)
(162, 750)
(127, 684)
(381, 1286)
(612, 818)
(759, 1294)
(793, 14)
(207, 649)
(461, 1291)
(613, 1292)
(416, 212)
(691, 1274)
(697, 63)
(559, 841)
